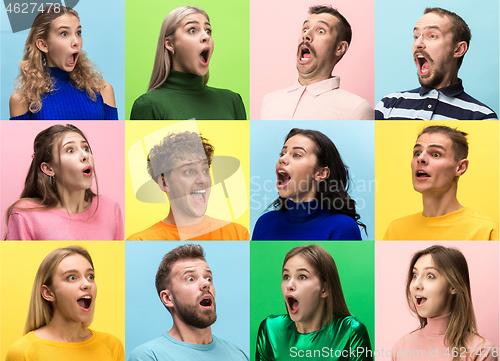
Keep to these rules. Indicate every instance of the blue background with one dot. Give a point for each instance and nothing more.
(103, 32)
(145, 316)
(394, 67)
(354, 141)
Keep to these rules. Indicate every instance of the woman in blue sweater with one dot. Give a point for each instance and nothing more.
(57, 80)
(313, 202)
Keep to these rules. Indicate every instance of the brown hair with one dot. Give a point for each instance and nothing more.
(344, 31)
(187, 251)
(459, 27)
(452, 265)
(458, 139)
(323, 263)
(38, 186)
(34, 80)
(175, 146)
(40, 310)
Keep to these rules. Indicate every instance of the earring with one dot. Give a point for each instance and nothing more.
(51, 180)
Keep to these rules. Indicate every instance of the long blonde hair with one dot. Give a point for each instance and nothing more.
(41, 311)
(34, 80)
(163, 57)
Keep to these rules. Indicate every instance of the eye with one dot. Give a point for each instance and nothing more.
(430, 275)
(209, 279)
(190, 279)
(321, 31)
(69, 150)
(286, 277)
(188, 172)
(436, 155)
(302, 277)
(432, 36)
(417, 153)
(71, 278)
(192, 31)
(208, 31)
(206, 171)
(297, 155)
(414, 275)
(86, 148)
(304, 30)
(79, 33)
(64, 33)
(91, 277)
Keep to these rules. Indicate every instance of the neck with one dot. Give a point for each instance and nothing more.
(306, 79)
(317, 321)
(449, 80)
(436, 205)
(190, 334)
(73, 201)
(63, 330)
(181, 219)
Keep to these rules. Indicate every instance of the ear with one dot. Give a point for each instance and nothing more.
(324, 292)
(322, 174)
(166, 298)
(460, 49)
(462, 167)
(342, 48)
(47, 169)
(47, 294)
(163, 184)
(453, 291)
(169, 45)
(42, 45)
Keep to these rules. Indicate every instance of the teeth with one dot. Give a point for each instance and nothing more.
(199, 191)
(87, 297)
(282, 172)
(420, 56)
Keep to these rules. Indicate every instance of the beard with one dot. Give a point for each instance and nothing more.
(194, 315)
(432, 81)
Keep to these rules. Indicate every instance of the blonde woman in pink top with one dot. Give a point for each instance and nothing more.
(57, 202)
(439, 294)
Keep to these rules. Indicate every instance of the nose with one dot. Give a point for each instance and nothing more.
(75, 42)
(84, 156)
(283, 160)
(204, 36)
(419, 42)
(422, 158)
(86, 284)
(204, 284)
(290, 285)
(307, 35)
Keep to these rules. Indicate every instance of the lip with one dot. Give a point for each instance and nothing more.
(420, 58)
(75, 59)
(204, 195)
(91, 301)
(421, 178)
(207, 296)
(279, 182)
(204, 62)
(287, 299)
(89, 174)
(418, 305)
(300, 54)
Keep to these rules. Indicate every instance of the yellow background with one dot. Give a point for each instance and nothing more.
(19, 263)
(395, 198)
(230, 138)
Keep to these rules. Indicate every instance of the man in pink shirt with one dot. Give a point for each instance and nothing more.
(324, 40)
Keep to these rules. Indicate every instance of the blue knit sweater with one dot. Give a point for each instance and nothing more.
(305, 221)
(66, 102)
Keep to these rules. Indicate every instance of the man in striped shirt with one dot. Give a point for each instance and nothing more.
(441, 39)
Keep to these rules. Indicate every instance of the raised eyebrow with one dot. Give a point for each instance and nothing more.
(70, 142)
(437, 146)
(300, 148)
(324, 22)
(76, 271)
(432, 27)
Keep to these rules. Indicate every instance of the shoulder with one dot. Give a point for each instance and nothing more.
(274, 322)
(21, 349)
(240, 232)
(108, 94)
(404, 99)
(341, 226)
(16, 105)
(150, 233)
(353, 324)
(400, 224)
(223, 92)
(110, 343)
(149, 350)
(265, 222)
(482, 222)
(231, 349)
(107, 201)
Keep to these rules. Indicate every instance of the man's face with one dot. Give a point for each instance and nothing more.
(434, 51)
(193, 293)
(433, 165)
(316, 54)
(188, 188)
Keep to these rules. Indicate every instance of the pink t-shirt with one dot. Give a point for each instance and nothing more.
(56, 224)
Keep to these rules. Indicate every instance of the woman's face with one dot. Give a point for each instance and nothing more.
(73, 163)
(73, 290)
(64, 42)
(192, 46)
(429, 289)
(303, 291)
(296, 168)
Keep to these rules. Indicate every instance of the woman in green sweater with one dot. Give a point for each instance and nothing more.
(177, 89)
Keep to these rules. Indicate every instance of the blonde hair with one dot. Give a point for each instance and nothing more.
(34, 81)
(163, 58)
(40, 310)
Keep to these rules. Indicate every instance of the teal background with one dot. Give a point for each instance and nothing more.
(355, 264)
(394, 67)
(230, 63)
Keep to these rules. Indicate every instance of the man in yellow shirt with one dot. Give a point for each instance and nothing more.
(180, 165)
(439, 159)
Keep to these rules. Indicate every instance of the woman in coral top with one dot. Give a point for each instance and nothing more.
(60, 312)
(439, 294)
(57, 202)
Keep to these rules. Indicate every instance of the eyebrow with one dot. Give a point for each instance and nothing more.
(189, 271)
(435, 27)
(320, 21)
(285, 147)
(67, 27)
(196, 22)
(72, 141)
(431, 146)
(434, 268)
(76, 271)
(298, 269)
(190, 164)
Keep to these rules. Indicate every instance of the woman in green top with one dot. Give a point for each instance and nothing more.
(318, 325)
(177, 89)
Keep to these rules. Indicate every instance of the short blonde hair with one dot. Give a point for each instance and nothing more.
(41, 311)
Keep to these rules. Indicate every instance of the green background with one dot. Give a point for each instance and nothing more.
(355, 264)
(230, 63)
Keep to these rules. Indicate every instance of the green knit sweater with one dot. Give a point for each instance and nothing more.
(184, 96)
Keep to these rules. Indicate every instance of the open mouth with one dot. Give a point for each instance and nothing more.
(204, 57)
(293, 304)
(422, 174)
(206, 302)
(72, 59)
(419, 300)
(87, 171)
(85, 302)
(423, 64)
(304, 54)
(283, 178)
(199, 196)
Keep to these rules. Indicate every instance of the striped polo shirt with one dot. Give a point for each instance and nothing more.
(448, 103)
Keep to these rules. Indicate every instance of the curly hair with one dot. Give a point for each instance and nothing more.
(34, 81)
(332, 193)
(175, 146)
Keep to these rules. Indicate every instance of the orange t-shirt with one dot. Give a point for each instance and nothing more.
(210, 229)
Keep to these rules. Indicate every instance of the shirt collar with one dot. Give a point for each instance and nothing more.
(450, 91)
(319, 87)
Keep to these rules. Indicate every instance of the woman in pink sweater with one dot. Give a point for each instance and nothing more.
(438, 292)
(57, 202)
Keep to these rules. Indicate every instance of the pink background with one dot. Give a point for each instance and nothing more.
(16, 146)
(393, 319)
(275, 27)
